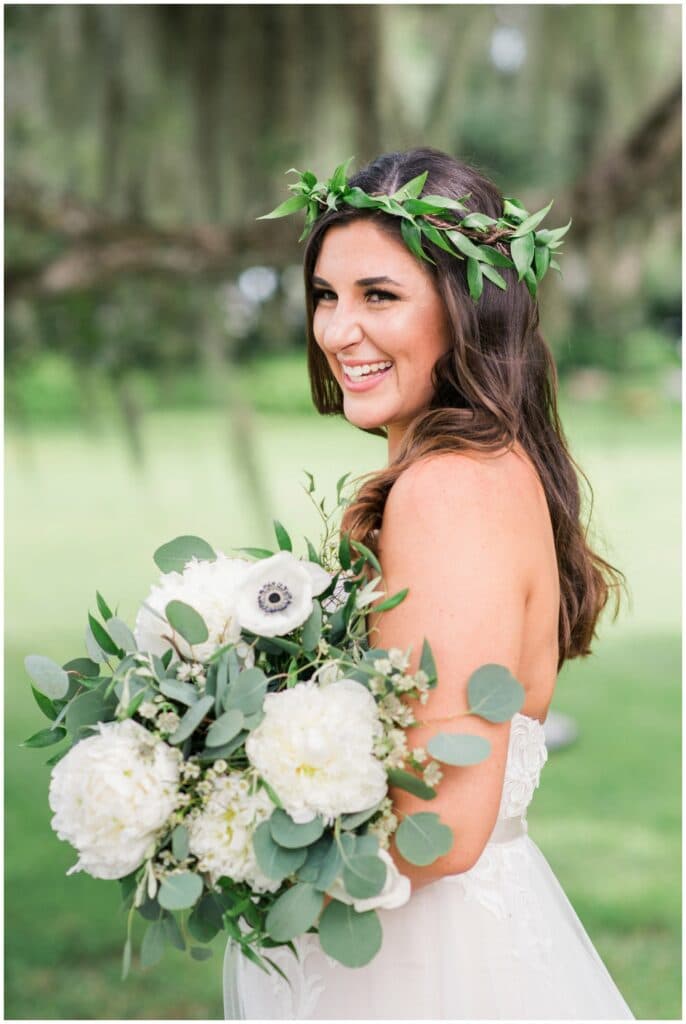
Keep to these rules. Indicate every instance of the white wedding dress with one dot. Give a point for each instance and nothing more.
(498, 942)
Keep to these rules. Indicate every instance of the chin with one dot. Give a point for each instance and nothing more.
(365, 419)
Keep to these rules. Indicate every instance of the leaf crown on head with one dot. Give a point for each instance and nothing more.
(476, 237)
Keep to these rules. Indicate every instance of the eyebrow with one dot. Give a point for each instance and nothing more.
(363, 281)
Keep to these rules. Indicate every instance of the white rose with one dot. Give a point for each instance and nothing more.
(395, 893)
(275, 595)
(221, 835)
(208, 587)
(315, 747)
(111, 794)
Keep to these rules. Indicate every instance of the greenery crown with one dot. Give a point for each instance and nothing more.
(476, 237)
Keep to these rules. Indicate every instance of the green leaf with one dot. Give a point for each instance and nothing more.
(185, 693)
(45, 737)
(189, 723)
(494, 257)
(464, 244)
(178, 892)
(47, 675)
(284, 541)
(541, 260)
(201, 953)
(88, 709)
(351, 938)
(331, 862)
(180, 842)
(247, 693)
(426, 661)
(256, 552)
(513, 209)
(352, 821)
(410, 783)
(214, 753)
(82, 667)
(312, 553)
(434, 235)
(423, 838)
(445, 202)
(274, 860)
(186, 621)
(533, 221)
(294, 912)
(413, 239)
(173, 556)
(315, 858)
(392, 602)
(522, 250)
(225, 728)
(94, 651)
(531, 282)
(287, 833)
(172, 931)
(368, 554)
(291, 205)
(121, 634)
(126, 959)
(152, 946)
(411, 189)
(458, 748)
(494, 693)
(52, 761)
(205, 919)
(493, 276)
(45, 704)
(102, 637)
(312, 630)
(358, 199)
(102, 606)
(480, 221)
(364, 876)
(475, 279)
(344, 551)
(339, 176)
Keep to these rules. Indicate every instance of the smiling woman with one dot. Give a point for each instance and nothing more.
(477, 513)
(380, 345)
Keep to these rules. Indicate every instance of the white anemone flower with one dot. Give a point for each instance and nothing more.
(275, 594)
(211, 588)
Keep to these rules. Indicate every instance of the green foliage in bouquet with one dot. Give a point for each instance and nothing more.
(173, 776)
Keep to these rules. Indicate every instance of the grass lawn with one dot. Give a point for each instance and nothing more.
(79, 516)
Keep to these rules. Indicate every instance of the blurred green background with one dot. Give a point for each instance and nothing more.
(156, 385)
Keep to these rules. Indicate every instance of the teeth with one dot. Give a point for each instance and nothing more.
(366, 369)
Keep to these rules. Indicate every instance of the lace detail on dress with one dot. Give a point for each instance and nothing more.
(499, 880)
(298, 1000)
(526, 756)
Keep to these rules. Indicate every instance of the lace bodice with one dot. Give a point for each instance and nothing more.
(526, 756)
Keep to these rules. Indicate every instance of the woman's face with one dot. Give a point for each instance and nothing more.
(380, 322)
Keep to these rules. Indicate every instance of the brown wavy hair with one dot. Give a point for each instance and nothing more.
(496, 385)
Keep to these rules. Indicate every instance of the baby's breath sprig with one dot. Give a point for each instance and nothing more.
(481, 240)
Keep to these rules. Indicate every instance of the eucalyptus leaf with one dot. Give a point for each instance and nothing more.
(186, 621)
(258, 553)
(92, 646)
(352, 821)
(423, 838)
(82, 667)
(172, 931)
(291, 835)
(48, 677)
(410, 783)
(315, 858)
(201, 953)
(312, 630)
(494, 693)
(364, 876)
(180, 891)
(45, 737)
(426, 661)
(44, 703)
(274, 860)
(121, 634)
(351, 938)
(205, 919)
(173, 556)
(185, 693)
(153, 943)
(459, 749)
(294, 912)
(189, 723)
(331, 863)
(225, 728)
(88, 709)
(102, 638)
(180, 842)
(248, 691)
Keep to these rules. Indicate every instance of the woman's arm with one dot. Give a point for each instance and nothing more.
(455, 531)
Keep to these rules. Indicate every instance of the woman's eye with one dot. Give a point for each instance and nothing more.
(322, 293)
(382, 295)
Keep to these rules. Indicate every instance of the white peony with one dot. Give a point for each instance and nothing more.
(395, 893)
(315, 747)
(275, 594)
(221, 834)
(211, 588)
(111, 795)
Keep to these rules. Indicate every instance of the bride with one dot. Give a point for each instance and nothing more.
(477, 512)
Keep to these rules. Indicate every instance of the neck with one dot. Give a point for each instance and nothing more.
(396, 432)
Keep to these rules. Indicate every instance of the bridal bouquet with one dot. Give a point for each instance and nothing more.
(229, 759)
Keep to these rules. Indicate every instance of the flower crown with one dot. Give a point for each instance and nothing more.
(476, 237)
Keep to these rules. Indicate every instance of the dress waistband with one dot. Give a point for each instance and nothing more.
(507, 829)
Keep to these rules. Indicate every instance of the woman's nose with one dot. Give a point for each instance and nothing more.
(342, 329)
